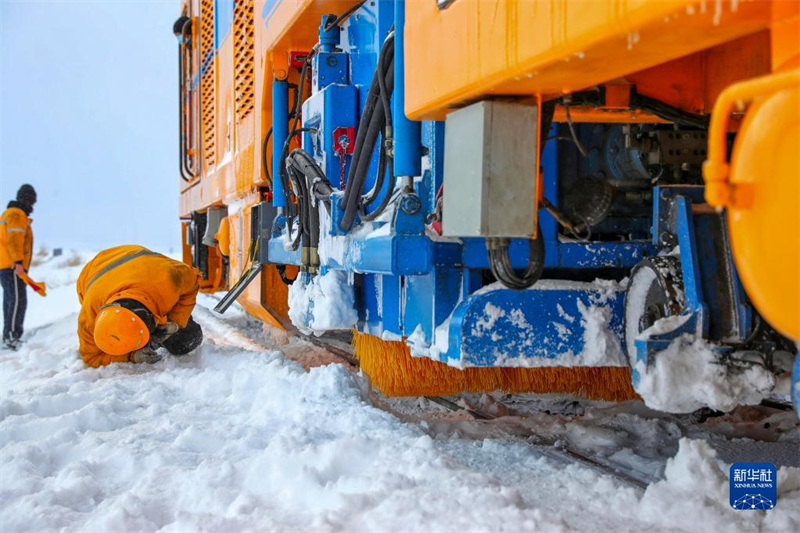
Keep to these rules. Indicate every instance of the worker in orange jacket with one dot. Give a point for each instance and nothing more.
(16, 247)
(134, 301)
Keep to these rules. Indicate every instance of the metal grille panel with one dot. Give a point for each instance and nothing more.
(244, 57)
(208, 81)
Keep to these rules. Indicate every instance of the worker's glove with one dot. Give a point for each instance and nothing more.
(163, 332)
(144, 355)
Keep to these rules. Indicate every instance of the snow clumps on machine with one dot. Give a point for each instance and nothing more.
(689, 375)
(325, 302)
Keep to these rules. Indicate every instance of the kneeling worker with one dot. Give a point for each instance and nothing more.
(134, 301)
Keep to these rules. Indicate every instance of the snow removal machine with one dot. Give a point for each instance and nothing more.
(599, 197)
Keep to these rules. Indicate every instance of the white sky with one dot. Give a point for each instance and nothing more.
(88, 116)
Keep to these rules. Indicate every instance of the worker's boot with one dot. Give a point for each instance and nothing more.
(11, 344)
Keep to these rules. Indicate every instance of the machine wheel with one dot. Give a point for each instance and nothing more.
(655, 291)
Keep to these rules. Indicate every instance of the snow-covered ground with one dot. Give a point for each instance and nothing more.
(237, 437)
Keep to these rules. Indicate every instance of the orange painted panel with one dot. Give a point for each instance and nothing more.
(786, 35)
(554, 46)
(293, 24)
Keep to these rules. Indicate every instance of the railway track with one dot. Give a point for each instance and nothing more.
(464, 416)
(553, 450)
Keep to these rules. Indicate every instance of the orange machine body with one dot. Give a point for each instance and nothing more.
(682, 52)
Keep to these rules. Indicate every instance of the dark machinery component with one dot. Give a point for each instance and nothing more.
(311, 186)
(636, 100)
(500, 262)
(183, 30)
(655, 291)
(196, 230)
(589, 200)
(607, 194)
(375, 122)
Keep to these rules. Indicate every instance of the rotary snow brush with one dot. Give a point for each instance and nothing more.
(394, 372)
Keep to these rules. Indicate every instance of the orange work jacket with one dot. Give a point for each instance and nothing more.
(167, 288)
(16, 238)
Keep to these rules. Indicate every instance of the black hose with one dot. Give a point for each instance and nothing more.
(178, 28)
(361, 160)
(500, 263)
(386, 92)
(335, 21)
(186, 172)
(264, 157)
(295, 244)
(368, 217)
(370, 102)
(668, 112)
(318, 184)
(310, 180)
(294, 130)
(383, 160)
(284, 154)
(355, 181)
(300, 86)
(298, 180)
(499, 260)
(282, 273)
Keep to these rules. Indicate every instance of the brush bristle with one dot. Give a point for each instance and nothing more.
(394, 372)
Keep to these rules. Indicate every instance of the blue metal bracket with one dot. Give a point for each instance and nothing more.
(541, 326)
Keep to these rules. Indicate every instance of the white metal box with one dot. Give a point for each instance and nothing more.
(490, 170)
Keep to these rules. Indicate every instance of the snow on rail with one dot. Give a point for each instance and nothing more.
(237, 438)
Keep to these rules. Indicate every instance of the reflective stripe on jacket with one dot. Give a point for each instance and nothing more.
(168, 288)
(16, 238)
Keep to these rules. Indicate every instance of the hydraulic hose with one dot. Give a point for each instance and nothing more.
(302, 227)
(264, 163)
(668, 112)
(284, 154)
(317, 183)
(383, 160)
(369, 107)
(184, 27)
(293, 130)
(500, 263)
(362, 160)
(386, 92)
(368, 217)
(310, 180)
(371, 125)
(384, 156)
(282, 273)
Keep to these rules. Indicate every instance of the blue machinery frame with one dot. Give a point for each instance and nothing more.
(431, 290)
(413, 283)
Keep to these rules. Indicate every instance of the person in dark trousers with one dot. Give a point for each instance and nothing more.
(16, 248)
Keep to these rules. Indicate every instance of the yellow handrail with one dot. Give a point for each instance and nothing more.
(716, 170)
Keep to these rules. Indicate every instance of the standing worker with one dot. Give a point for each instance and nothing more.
(134, 301)
(16, 247)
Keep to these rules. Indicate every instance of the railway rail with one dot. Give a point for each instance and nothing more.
(545, 423)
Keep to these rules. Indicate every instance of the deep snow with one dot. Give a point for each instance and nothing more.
(237, 437)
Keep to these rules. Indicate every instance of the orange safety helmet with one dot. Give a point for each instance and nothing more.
(118, 330)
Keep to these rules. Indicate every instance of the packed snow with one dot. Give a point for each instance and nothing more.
(322, 303)
(693, 367)
(238, 437)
